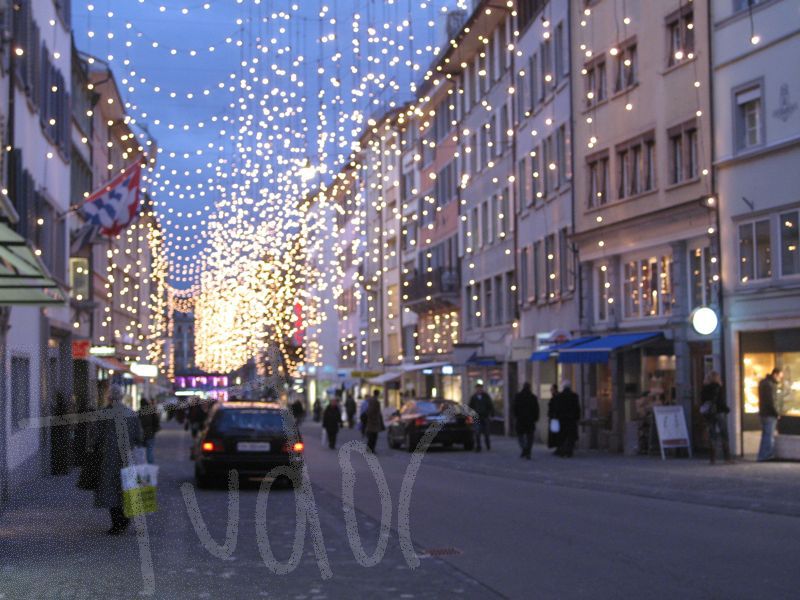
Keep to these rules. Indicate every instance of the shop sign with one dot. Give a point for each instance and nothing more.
(80, 349)
(102, 351)
(704, 320)
(143, 370)
(672, 431)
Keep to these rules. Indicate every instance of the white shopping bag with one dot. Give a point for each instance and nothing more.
(139, 483)
(324, 437)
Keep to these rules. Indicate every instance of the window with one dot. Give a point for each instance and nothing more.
(595, 82)
(511, 297)
(749, 118)
(504, 218)
(701, 277)
(546, 54)
(503, 136)
(566, 273)
(680, 33)
(790, 255)
(523, 182)
(477, 298)
(536, 187)
(676, 158)
(683, 153)
(648, 287)
(755, 254)
(474, 230)
(485, 145)
(475, 153)
(550, 165)
(636, 166)
(488, 319)
(627, 68)
(560, 49)
(538, 270)
(598, 181)
(692, 157)
(20, 390)
(470, 307)
(603, 293)
(533, 79)
(499, 300)
(551, 264)
(524, 279)
(743, 4)
(564, 172)
(486, 228)
(79, 279)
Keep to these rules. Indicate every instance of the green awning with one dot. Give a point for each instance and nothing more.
(24, 280)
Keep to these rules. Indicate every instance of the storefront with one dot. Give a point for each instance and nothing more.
(497, 379)
(622, 377)
(760, 352)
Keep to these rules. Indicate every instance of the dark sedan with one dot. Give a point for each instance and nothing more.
(250, 437)
(407, 426)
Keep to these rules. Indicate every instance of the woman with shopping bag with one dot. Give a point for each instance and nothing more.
(118, 433)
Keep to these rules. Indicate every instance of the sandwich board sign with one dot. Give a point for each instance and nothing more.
(671, 425)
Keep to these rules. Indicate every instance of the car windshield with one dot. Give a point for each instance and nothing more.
(431, 408)
(248, 420)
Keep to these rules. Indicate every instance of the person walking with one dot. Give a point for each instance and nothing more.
(567, 409)
(197, 416)
(768, 411)
(526, 414)
(332, 421)
(373, 421)
(715, 413)
(350, 410)
(119, 430)
(298, 412)
(481, 403)
(362, 416)
(151, 423)
(317, 410)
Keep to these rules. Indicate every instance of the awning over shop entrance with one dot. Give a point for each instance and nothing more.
(599, 350)
(385, 378)
(24, 280)
(552, 351)
(109, 363)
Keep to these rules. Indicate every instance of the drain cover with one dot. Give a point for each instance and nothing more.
(442, 552)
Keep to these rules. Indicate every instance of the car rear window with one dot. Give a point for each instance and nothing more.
(248, 420)
(432, 408)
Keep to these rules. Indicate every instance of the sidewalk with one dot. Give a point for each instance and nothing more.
(746, 485)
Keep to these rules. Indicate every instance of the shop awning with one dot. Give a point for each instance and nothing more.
(482, 361)
(386, 377)
(422, 366)
(552, 351)
(109, 363)
(24, 280)
(599, 350)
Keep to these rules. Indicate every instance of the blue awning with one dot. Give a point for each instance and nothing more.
(482, 361)
(552, 351)
(599, 350)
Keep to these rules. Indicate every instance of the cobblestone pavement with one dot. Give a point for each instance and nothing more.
(53, 546)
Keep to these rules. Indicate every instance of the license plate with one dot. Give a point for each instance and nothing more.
(253, 446)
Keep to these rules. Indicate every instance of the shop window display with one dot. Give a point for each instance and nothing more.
(757, 365)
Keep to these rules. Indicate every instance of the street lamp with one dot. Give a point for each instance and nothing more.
(704, 320)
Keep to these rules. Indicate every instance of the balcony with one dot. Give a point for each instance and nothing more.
(439, 288)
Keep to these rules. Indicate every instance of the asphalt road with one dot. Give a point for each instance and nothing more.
(496, 531)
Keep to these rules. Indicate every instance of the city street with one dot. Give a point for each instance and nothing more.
(497, 526)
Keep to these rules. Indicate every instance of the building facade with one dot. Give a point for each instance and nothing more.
(757, 150)
(645, 230)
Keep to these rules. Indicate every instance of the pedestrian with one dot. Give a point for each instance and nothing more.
(298, 412)
(350, 409)
(332, 421)
(553, 426)
(197, 416)
(526, 413)
(715, 411)
(151, 423)
(567, 409)
(317, 410)
(768, 411)
(481, 403)
(362, 416)
(373, 420)
(119, 430)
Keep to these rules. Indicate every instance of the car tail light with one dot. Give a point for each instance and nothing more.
(420, 421)
(210, 446)
(298, 447)
(468, 420)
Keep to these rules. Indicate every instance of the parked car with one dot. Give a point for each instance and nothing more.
(251, 437)
(407, 426)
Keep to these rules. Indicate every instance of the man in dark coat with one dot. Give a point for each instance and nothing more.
(567, 409)
(119, 431)
(151, 424)
(373, 421)
(768, 411)
(481, 403)
(526, 414)
(332, 421)
(350, 409)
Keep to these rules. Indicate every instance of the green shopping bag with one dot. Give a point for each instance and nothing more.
(139, 483)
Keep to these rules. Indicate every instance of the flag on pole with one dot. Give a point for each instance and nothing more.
(110, 209)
